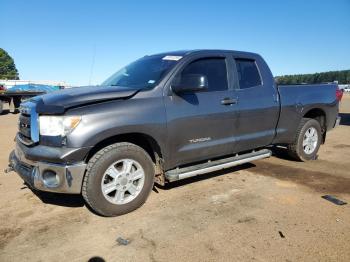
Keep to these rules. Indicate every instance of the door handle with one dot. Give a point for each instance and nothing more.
(229, 101)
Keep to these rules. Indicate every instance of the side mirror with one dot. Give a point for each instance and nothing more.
(191, 83)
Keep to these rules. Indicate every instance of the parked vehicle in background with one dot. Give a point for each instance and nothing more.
(345, 88)
(2, 90)
(19, 93)
(163, 118)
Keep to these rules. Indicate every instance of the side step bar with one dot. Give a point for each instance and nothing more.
(181, 173)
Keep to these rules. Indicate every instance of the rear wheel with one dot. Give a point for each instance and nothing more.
(118, 180)
(307, 141)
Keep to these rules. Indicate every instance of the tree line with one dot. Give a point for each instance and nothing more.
(343, 77)
(8, 68)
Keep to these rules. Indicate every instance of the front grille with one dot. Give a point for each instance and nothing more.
(24, 128)
(28, 128)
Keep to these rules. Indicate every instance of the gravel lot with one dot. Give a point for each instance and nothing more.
(269, 210)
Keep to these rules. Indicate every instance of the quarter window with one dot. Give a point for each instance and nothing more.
(213, 68)
(248, 73)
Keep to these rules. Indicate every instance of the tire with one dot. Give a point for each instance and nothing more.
(17, 102)
(117, 157)
(300, 152)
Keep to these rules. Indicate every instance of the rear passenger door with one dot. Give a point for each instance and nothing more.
(258, 106)
(200, 125)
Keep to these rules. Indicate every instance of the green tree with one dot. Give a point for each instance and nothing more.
(8, 68)
(343, 77)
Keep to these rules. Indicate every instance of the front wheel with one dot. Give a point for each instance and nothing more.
(307, 141)
(118, 180)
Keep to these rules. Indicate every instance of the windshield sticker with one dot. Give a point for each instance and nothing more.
(172, 57)
(151, 81)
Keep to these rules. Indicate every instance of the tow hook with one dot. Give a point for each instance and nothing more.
(9, 169)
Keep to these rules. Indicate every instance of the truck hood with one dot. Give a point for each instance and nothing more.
(58, 102)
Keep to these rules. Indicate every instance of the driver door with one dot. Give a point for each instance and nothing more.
(200, 124)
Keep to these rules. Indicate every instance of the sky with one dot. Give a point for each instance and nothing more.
(84, 42)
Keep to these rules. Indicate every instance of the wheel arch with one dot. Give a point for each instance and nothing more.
(319, 115)
(147, 142)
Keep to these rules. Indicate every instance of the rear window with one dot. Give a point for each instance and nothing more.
(248, 73)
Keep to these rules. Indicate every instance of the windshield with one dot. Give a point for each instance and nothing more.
(144, 73)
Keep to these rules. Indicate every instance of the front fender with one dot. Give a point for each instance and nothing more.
(105, 120)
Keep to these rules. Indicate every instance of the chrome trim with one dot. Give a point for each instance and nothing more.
(222, 166)
(29, 108)
(21, 157)
(70, 176)
(34, 123)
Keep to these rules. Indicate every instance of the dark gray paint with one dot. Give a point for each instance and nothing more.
(173, 120)
(297, 100)
(258, 110)
(58, 102)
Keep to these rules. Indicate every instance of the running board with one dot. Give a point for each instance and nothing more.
(211, 166)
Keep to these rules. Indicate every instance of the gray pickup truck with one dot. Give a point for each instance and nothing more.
(166, 117)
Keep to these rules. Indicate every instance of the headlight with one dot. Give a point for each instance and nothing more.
(58, 125)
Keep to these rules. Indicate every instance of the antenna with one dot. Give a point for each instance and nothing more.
(92, 63)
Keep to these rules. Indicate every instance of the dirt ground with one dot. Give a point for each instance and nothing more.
(269, 210)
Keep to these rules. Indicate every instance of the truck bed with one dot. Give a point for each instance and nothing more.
(298, 100)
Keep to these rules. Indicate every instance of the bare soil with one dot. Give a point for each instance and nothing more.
(269, 210)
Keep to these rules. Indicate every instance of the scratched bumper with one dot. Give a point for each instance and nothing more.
(42, 176)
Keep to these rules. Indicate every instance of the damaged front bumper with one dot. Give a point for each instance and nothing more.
(46, 176)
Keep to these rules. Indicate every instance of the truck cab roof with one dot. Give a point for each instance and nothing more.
(206, 52)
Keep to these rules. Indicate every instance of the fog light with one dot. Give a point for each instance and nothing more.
(50, 178)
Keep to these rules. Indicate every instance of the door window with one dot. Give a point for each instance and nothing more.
(248, 73)
(213, 68)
